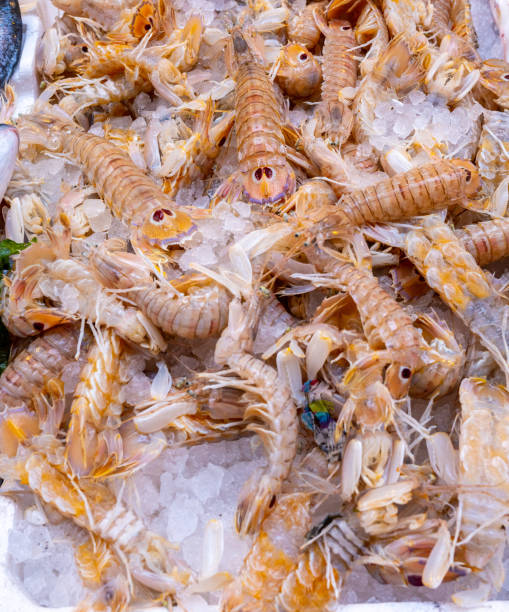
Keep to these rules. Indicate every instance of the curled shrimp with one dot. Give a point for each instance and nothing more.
(131, 194)
(264, 175)
(335, 119)
(299, 74)
(195, 308)
(273, 405)
(47, 271)
(385, 322)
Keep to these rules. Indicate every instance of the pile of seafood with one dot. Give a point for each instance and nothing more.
(274, 224)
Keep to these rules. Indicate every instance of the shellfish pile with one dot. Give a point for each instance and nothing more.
(254, 279)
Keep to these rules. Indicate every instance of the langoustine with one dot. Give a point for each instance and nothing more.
(273, 405)
(192, 307)
(454, 274)
(43, 360)
(46, 270)
(275, 575)
(335, 119)
(483, 495)
(421, 190)
(385, 322)
(92, 506)
(132, 195)
(264, 175)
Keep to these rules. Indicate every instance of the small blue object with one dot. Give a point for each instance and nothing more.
(308, 420)
(323, 418)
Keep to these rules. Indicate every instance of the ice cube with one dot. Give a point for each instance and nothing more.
(183, 514)
(207, 482)
(416, 97)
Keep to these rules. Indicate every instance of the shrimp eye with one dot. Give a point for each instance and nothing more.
(39, 326)
(167, 212)
(147, 27)
(506, 76)
(258, 174)
(303, 57)
(405, 373)
(84, 49)
(345, 28)
(272, 501)
(268, 172)
(109, 595)
(158, 216)
(222, 141)
(468, 175)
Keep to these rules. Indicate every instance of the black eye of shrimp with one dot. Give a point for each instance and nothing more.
(268, 172)
(469, 175)
(158, 215)
(405, 373)
(303, 57)
(258, 174)
(39, 326)
(272, 501)
(506, 76)
(345, 28)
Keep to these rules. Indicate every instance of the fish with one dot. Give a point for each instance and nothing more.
(11, 39)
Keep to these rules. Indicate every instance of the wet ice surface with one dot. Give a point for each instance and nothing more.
(176, 495)
(42, 559)
(488, 38)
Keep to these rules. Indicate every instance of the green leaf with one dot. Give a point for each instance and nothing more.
(9, 248)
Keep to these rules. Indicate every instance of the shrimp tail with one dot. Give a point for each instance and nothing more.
(399, 67)
(258, 494)
(230, 190)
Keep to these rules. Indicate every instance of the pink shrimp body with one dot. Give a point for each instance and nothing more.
(196, 308)
(421, 190)
(266, 176)
(335, 119)
(25, 376)
(96, 409)
(487, 241)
